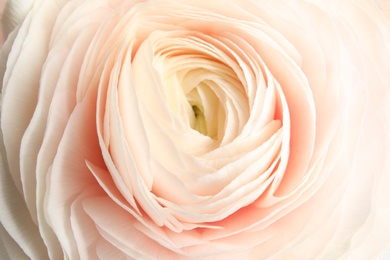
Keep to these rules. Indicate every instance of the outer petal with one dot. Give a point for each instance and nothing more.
(18, 232)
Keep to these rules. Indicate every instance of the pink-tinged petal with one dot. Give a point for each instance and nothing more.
(58, 73)
(181, 129)
(84, 229)
(53, 133)
(125, 158)
(105, 250)
(69, 175)
(117, 227)
(65, 92)
(104, 134)
(144, 223)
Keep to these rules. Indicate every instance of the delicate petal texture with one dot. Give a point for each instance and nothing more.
(161, 129)
(14, 14)
(19, 234)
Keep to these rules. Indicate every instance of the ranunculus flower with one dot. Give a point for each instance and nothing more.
(195, 129)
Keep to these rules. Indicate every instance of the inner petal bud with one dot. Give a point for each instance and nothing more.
(205, 105)
(200, 87)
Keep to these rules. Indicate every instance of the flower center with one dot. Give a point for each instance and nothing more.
(200, 84)
(199, 123)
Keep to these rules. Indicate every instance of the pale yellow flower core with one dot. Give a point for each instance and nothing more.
(203, 115)
(200, 121)
(199, 84)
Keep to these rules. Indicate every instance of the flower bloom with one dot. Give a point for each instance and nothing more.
(195, 129)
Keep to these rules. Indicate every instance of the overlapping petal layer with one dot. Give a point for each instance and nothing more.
(160, 129)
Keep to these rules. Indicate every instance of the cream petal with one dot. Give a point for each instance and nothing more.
(18, 231)
(314, 95)
(9, 247)
(84, 229)
(69, 168)
(144, 224)
(115, 226)
(58, 73)
(63, 100)
(125, 157)
(105, 250)
(55, 127)
(30, 77)
(17, 119)
(14, 14)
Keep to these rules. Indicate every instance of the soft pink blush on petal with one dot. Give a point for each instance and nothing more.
(64, 97)
(69, 167)
(113, 118)
(362, 179)
(295, 167)
(58, 83)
